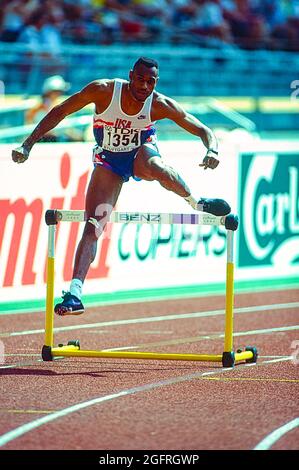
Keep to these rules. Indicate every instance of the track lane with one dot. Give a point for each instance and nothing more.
(157, 415)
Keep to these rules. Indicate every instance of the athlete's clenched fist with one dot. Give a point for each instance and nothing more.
(20, 154)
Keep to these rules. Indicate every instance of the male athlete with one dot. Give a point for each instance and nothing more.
(124, 129)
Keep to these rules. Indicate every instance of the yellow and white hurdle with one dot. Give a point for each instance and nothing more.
(228, 357)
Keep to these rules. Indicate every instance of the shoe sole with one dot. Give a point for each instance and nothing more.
(70, 312)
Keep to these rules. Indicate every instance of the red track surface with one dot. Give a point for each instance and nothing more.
(167, 405)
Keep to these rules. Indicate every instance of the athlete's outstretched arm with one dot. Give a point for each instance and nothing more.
(56, 115)
(169, 108)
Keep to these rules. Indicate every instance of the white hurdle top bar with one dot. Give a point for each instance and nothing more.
(144, 217)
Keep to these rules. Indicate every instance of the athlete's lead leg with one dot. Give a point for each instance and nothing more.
(149, 166)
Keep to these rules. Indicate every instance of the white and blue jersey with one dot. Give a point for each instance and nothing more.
(120, 135)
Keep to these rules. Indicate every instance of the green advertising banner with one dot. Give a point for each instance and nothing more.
(269, 211)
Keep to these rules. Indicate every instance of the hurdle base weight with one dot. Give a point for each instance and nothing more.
(74, 342)
(254, 354)
(47, 353)
(228, 359)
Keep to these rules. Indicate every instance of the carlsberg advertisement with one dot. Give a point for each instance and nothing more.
(268, 238)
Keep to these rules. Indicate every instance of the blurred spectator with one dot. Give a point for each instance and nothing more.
(286, 32)
(53, 89)
(183, 12)
(272, 12)
(250, 24)
(41, 34)
(155, 15)
(111, 25)
(209, 21)
(248, 28)
(14, 15)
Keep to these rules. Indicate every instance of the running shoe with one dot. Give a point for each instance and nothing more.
(217, 207)
(70, 305)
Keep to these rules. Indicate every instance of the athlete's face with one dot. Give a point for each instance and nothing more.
(143, 81)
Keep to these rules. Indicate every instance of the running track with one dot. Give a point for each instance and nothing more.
(132, 404)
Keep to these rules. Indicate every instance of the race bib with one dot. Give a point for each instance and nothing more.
(121, 140)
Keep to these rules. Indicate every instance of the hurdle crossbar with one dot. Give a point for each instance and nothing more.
(142, 218)
(228, 357)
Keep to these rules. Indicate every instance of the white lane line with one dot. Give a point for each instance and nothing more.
(21, 354)
(22, 364)
(267, 330)
(269, 440)
(271, 357)
(271, 361)
(11, 366)
(180, 316)
(256, 364)
(200, 338)
(25, 428)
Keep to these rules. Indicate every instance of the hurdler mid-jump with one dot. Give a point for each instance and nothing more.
(124, 129)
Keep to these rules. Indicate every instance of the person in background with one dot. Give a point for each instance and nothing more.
(53, 89)
(41, 34)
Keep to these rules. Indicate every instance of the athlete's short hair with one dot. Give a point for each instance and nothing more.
(147, 62)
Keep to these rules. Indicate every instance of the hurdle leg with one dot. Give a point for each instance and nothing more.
(49, 323)
(228, 358)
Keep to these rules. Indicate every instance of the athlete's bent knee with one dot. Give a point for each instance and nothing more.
(93, 228)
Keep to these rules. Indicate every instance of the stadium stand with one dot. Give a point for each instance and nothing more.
(241, 52)
(249, 24)
(207, 72)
